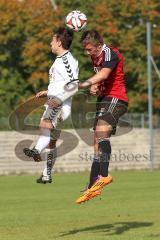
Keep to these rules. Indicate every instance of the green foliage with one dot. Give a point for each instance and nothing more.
(11, 90)
(26, 32)
(125, 27)
(12, 83)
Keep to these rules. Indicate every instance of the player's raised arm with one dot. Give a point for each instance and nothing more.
(41, 94)
(97, 78)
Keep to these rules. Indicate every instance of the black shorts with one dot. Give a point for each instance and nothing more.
(110, 110)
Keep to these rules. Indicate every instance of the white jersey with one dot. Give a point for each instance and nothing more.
(64, 70)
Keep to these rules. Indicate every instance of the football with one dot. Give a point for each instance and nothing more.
(76, 20)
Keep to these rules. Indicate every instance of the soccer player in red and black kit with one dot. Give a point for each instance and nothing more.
(112, 103)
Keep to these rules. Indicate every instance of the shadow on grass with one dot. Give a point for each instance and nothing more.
(110, 229)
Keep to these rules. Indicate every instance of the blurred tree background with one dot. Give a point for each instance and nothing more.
(26, 32)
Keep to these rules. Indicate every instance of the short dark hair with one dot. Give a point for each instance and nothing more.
(91, 36)
(65, 35)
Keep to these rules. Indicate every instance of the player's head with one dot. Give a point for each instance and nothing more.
(92, 42)
(62, 38)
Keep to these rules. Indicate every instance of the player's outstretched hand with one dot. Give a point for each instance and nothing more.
(94, 89)
(84, 84)
(41, 94)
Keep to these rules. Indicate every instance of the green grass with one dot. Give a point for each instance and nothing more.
(129, 208)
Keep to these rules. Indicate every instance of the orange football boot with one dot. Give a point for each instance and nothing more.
(101, 182)
(88, 195)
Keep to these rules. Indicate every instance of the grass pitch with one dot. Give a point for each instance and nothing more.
(128, 209)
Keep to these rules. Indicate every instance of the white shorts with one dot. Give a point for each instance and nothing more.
(58, 114)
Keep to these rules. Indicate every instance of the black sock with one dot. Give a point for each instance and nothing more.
(95, 168)
(105, 148)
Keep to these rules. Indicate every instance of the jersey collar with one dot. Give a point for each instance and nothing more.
(104, 46)
(63, 54)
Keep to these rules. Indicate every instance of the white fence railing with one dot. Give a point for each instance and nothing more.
(129, 151)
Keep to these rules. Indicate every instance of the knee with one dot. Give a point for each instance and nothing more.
(52, 144)
(45, 124)
(103, 133)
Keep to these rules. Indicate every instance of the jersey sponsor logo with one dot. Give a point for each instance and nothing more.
(101, 112)
(97, 69)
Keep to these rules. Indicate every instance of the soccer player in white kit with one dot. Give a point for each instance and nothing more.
(63, 84)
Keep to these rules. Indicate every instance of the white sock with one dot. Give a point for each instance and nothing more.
(43, 140)
(51, 155)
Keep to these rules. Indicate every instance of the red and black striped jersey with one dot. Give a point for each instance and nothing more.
(114, 85)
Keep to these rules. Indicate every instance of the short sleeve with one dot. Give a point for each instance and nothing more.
(111, 62)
